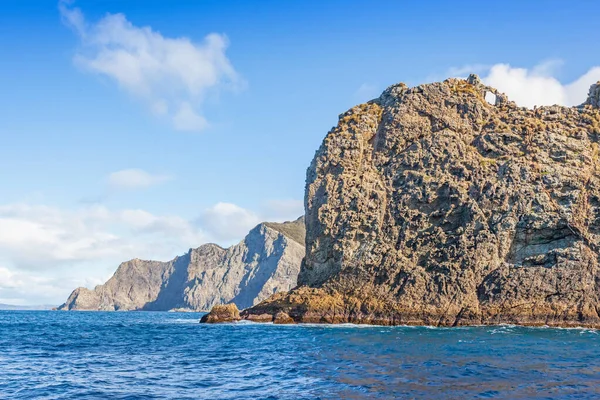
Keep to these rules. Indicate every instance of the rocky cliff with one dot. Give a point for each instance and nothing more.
(447, 204)
(267, 261)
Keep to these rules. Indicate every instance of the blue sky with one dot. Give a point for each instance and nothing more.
(127, 133)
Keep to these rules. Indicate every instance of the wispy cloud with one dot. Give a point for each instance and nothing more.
(227, 222)
(171, 75)
(135, 179)
(186, 119)
(38, 237)
(45, 251)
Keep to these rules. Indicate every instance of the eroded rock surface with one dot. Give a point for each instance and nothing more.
(447, 204)
(222, 313)
(267, 261)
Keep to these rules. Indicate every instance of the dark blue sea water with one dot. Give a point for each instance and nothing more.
(85, 355)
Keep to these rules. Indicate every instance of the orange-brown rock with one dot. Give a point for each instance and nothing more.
(222, 313)
(282, 318)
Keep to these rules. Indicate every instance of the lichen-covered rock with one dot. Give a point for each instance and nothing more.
(259, 318)
(435, 205)
(222, 313)
(267, 261)
(282, 318)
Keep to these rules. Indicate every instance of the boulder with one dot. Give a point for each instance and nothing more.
(222, 313)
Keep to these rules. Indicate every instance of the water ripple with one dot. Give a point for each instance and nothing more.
(84, 355)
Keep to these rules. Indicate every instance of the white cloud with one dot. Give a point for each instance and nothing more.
(228, 222)
(38, 237)
(536, 86)
(72, 17)
(17, 288)
(45, 252)
(172, 75)
(135, 179)
(8, 279)
(186, 119)
(527, 87)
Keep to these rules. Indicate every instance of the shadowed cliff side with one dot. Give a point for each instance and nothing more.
(267, 261)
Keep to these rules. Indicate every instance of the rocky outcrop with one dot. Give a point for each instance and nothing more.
(447, 204)
(594, 95)
(267, 261)
(222, 313)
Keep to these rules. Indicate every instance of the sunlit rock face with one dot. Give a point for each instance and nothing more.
(447, 204)
(594, 96)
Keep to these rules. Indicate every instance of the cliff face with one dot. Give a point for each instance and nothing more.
(267, 261)
(446, 204)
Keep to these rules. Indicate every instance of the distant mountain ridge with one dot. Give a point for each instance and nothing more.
(11, 307)
(267, 261)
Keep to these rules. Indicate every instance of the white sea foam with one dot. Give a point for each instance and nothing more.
(185, 321)
(493, 329)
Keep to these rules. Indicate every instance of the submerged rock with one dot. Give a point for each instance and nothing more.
(447, 204)
(222, 313)
(267, 261)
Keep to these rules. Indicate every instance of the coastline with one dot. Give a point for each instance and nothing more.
(287, 309)
(387, 323)
(367, 326)
(407, 325)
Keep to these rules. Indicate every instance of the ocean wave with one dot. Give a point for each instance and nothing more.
(158, 355)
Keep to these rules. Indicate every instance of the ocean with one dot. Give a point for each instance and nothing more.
(147, 355)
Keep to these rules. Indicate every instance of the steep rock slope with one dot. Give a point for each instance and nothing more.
(267, 261)
(447, 204)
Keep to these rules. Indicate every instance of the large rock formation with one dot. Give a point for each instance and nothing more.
(267, 261)
(447, 204)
